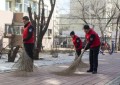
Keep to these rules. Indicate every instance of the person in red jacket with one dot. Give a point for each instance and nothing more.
(28, 37)
(93, 41)
(77, 43)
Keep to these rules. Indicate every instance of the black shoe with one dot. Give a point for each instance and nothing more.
(89, 71)
(94, 72)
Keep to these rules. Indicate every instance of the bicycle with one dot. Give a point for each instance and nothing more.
(105, 46)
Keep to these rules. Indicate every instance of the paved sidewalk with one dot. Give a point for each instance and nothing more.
(115, 81)
(109, 70)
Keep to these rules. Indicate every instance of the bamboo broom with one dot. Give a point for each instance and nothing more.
(82, 64)
(72, 68)
(23, 65)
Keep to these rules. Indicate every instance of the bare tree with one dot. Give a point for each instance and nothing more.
(40, 23)
(100, 11)
(97, 10)
(13, 50)
(83, 11)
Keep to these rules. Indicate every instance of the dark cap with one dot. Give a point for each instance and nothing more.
(72, 33)
(26, 18)
(86, 27)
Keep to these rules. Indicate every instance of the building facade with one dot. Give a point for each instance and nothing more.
(9, 7)
(84, 10)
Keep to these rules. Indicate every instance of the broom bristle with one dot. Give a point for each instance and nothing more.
(72, 68)
(83, 65)
(24, 64)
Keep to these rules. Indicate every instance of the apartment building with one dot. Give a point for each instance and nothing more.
(76, 14)
(19, 7)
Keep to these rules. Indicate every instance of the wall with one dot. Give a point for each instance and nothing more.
(6, 18)
(2, 4)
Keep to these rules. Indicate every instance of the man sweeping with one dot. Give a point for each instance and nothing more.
(94, 46)
(28, 41)
(28, 37)
(77, 43)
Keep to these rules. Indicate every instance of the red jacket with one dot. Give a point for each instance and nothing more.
(25, 34)
(77, 42)
(96, 41)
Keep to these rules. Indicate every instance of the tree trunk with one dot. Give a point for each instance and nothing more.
(38, 49)
(119, 42)
(12, 54)
(102, 37)
(116, 39)
(41, 24)
(36, 54)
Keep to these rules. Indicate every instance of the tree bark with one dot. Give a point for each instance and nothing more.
(41, 24)
(119, 42)
(12, 54)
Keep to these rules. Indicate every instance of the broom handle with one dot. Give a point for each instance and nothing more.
(83, 51)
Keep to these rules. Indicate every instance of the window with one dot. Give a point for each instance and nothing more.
(18, 6)
(25, 7)
(34, 6)
(26, 4)
(18, 1)
(10, 30)
(49, 32)
(9, 5)
(46, 11)
(17, 30)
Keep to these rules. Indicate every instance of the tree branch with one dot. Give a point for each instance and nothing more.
(30, 13)
(42, 17)
(110, 19)
(49, 17)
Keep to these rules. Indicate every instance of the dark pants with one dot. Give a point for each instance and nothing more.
(93, 58)
(29, 49)
(78, 52)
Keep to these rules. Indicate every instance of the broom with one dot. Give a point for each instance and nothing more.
(71, 69)
(82, 64)
(24, 64)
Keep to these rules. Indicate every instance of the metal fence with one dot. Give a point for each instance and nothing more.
(66, 42)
